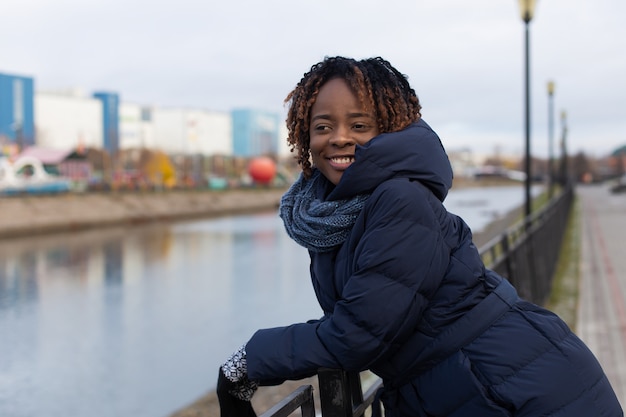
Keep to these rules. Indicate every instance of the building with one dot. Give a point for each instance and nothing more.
(71, 119)
(255, 133)
(68, 119)
(110, 121)
(182, 131)
(67, 163)
(136, 127)
(17, 126)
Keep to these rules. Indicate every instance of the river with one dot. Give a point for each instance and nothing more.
(135, 321)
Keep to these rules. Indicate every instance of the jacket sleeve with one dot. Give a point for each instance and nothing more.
(399, 260)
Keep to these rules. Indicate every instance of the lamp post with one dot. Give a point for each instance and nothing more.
(550, 137)
(527, 8)
(564, 174)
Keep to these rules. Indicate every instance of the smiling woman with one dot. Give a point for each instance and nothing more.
(404, 291)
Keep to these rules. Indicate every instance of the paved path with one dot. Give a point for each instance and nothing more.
(601, 321)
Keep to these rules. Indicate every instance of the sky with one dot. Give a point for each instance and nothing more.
(465, 59)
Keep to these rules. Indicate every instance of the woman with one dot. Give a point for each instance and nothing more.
(403, 288)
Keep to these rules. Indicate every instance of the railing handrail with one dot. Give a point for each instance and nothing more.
(301, 398)
(341, 395)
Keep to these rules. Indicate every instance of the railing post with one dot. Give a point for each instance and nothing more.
(335, 393)
(506, 253)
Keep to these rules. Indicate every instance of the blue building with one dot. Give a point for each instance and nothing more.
(110, 121)
(17, 125)
(255, 132)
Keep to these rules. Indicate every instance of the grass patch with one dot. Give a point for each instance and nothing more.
(564, 295)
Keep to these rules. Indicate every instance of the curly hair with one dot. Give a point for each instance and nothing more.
(377, 84)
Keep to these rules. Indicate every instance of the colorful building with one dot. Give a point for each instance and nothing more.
(17, 126)
(110, 121)
(72, 119)
(255, 132)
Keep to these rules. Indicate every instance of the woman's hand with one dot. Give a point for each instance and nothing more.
(234, 389)
(235, 369)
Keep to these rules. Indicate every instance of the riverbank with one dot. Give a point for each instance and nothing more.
(35, 215)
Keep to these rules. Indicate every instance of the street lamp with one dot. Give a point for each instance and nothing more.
(550, 137)
(527, 8)
(564, 173)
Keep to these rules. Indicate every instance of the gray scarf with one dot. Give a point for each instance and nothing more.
(318, 225)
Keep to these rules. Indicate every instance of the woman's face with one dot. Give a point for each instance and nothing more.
(339, 121)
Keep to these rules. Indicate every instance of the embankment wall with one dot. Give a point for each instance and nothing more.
(31, 215)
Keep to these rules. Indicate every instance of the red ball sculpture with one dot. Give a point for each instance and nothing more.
(262, 169)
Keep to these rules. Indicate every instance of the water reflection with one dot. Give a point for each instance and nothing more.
(136, 321)
(17, 280)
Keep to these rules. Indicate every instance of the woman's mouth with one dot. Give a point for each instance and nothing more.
(341, 162)
(342, 159)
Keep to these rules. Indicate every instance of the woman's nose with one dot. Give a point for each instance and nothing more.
(342, 137)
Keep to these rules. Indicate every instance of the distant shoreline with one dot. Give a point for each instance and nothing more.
(37, 215)
(30, 215)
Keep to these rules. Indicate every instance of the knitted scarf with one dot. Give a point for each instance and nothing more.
(318, 225)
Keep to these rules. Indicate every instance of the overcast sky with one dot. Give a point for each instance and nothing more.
(465, 59)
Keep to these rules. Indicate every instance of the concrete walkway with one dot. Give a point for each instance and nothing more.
(601, 320)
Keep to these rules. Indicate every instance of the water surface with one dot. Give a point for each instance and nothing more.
(135, 321)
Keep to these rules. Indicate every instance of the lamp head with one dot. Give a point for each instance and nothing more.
(527, 9)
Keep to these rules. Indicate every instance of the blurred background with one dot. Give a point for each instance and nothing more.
(161, 94)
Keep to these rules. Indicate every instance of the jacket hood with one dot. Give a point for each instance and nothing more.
(414, 153)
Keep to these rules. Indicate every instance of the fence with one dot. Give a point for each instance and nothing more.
(526, 253)
(341, 395)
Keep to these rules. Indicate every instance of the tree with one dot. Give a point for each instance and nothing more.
(581, 167)
(157, 168)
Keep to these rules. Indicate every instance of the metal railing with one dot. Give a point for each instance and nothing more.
(301, 398)
(526, 254)
(341, 395)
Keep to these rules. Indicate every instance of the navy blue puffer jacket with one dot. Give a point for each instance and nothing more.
(408, 297)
